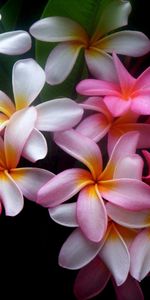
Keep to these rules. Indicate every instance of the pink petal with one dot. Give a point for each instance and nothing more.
(77, 251)
(64, 214)
(100, 64)
(91, 280)
(127, 42)
(131, 194)
(82, 148)
(115, 255)
(28, 79)
(142, 82)
(6, 105)
(95, 87)
(60, 62)
(91, 214)
(30, 180)
(116, 132)
(129, 290)
(125, 146)
(141, 104)
(2, 155)
(125, 79)
(96, 104)
(36, 146)
(58, 29)
(17, 132)
(10, 194)
(147, 158)
(130, 166)
(127, 218)
(117, 105)
(140, 263)
(63, 186)
(95, 127)
(58, 114)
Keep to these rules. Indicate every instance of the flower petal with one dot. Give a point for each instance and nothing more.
(142, 82)
(127, 218)
(82, 148)
(6, 105)
(58, 114)
(15, 42)
(125, 79)
(130, 166)
(77, 251)
(30, 180)
(17, 132)
(100, 64)
(127, 42)
(60, 62)
(114, 15)
(96, 104)
(28, 80)
(117, 105)
(141, 104)
(131, 194)
(95, 87)
(36, 146)
(91, 214)
(58, 29)
(10, 195)
(95, 127)
(125, 146)
(140, 263)
(3, 122)
(130, 290)
(91, 280)
(115, 255)
(64, 214)
(63, 186)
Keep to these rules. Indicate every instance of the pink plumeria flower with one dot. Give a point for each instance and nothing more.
(119, 183)
(15, 42)
(73, 38)
(78, 251)
(97, 125)
(147, 158)
(28, 79)
(16, 182)
(128, 93)
(93, 278)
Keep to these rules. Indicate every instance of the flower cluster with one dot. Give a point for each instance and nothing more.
(111, 212)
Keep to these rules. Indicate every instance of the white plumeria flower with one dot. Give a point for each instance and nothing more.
(15, 42)
(16, 182)
(28, 79)
(97, 48)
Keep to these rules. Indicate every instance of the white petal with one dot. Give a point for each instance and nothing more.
(61, 61)
(64, 214)
(28, 80)
(15, 42)
(35, 147)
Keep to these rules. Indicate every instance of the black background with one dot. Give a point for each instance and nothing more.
(30, 242)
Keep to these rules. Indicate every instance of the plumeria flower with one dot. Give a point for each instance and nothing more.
(28, 79)
(77, 251)
(16, 182)
(128, 93)
(119, 183)
(93, 278)
(97, 125)
(73, 38)
(15, 42)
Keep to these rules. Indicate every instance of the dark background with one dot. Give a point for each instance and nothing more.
(30, 242)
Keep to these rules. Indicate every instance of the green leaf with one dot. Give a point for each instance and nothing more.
(10, 12)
